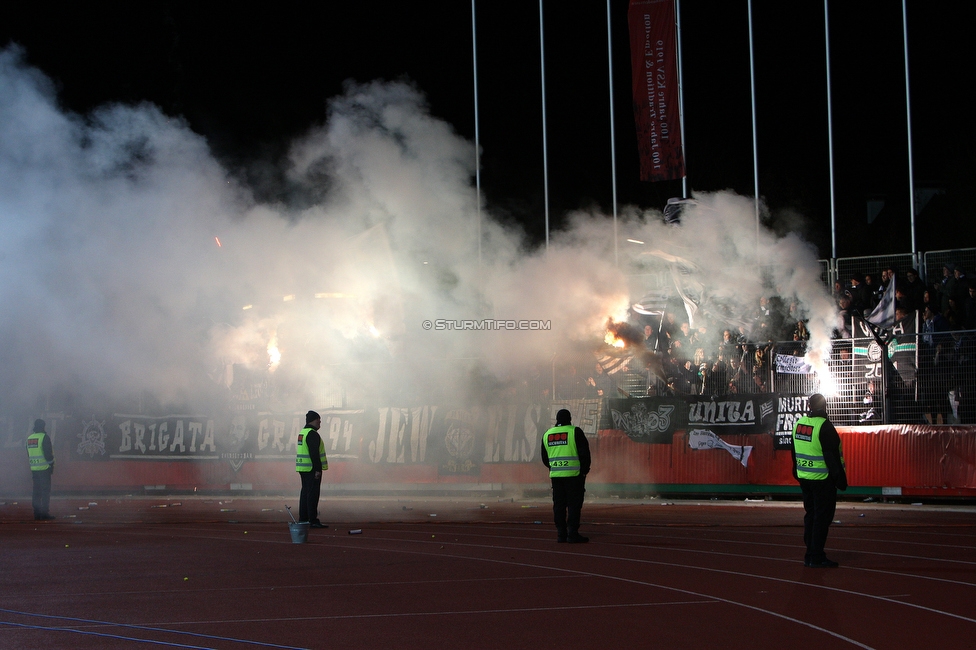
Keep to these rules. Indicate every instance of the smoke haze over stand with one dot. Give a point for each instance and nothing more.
(113, 283)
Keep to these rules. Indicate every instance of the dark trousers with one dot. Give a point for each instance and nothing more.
(567, 503)
(41, 499)
(308, 506)
(819, 501)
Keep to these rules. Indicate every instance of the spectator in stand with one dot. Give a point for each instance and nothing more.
(932, 369)
(901, 313)
(764, 313)
(650, 338)
(913, 289)
(800, 332)
(677, 352)
(759, 383)
(872, 291)
(687, 381)
(599, 384)
(969, 307)
(760, 369)
(887, 277)
(946, 288)
(684, 335)
(928, 300)
(569, 385)
(954, 315)
(740, 381)
(843, 328)
(726, 349)
(856, 292)
(964, 380)
(700, 337)
(838, 290)
(900, 298)
(717, 380)
(669, 329)
(870, 413)
(960, 291)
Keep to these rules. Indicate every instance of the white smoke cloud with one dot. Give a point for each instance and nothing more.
(112, 281)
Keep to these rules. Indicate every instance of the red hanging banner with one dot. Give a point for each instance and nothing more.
(655, 83)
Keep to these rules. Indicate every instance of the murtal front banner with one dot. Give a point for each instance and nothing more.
(654, 66)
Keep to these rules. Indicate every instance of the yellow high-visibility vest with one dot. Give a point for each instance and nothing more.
(561, 447)
(810, 463)
(35, 452)
(303, 462)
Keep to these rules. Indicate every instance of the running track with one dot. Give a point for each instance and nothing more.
(213, 573)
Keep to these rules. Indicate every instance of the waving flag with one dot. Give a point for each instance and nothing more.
(883, 315)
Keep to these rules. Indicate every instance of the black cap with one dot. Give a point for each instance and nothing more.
(817, 402)
(38, 425)
(312, 416)
(563, 417)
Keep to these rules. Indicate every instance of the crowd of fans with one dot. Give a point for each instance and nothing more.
(705, 359)
(713, 360)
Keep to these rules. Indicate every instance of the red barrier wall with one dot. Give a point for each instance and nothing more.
(911, 460)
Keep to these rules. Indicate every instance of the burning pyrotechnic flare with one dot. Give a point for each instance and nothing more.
(274, 355)
(828, 385)
(611, 339)
(621, 335)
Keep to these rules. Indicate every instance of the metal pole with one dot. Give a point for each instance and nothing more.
(613, 146)
(681, 103)
(908, 115)
(545, 146)
(755, 147)
(477, 142)
(830, 139)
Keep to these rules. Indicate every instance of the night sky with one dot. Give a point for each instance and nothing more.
(252, 79)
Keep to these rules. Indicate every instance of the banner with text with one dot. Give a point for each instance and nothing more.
(654, 67)
(458, 439)
(655, 419)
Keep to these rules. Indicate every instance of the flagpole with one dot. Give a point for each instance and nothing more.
(477, 143)
(681, 103)
(545, 146)
(755, 147)
(830, 139)
(908, 117)
(613, 146)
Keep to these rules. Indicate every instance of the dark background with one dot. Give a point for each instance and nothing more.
(252, 78)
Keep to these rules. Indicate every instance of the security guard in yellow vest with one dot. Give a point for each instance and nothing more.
(40, 455)
(310, 462)
(818, 465)
(566, 452)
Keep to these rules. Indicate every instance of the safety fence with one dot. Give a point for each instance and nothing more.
(912, 378)
(929, 265)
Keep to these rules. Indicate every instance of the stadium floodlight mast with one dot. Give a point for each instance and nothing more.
(908, 118)
(755, 146)
(613, 146)
(830, 139)
(477, 143)
(545, 147)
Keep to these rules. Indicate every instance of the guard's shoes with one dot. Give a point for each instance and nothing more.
(45, 518)
(317, 524)
(562, 539)
(823, 564)
(577, 539)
